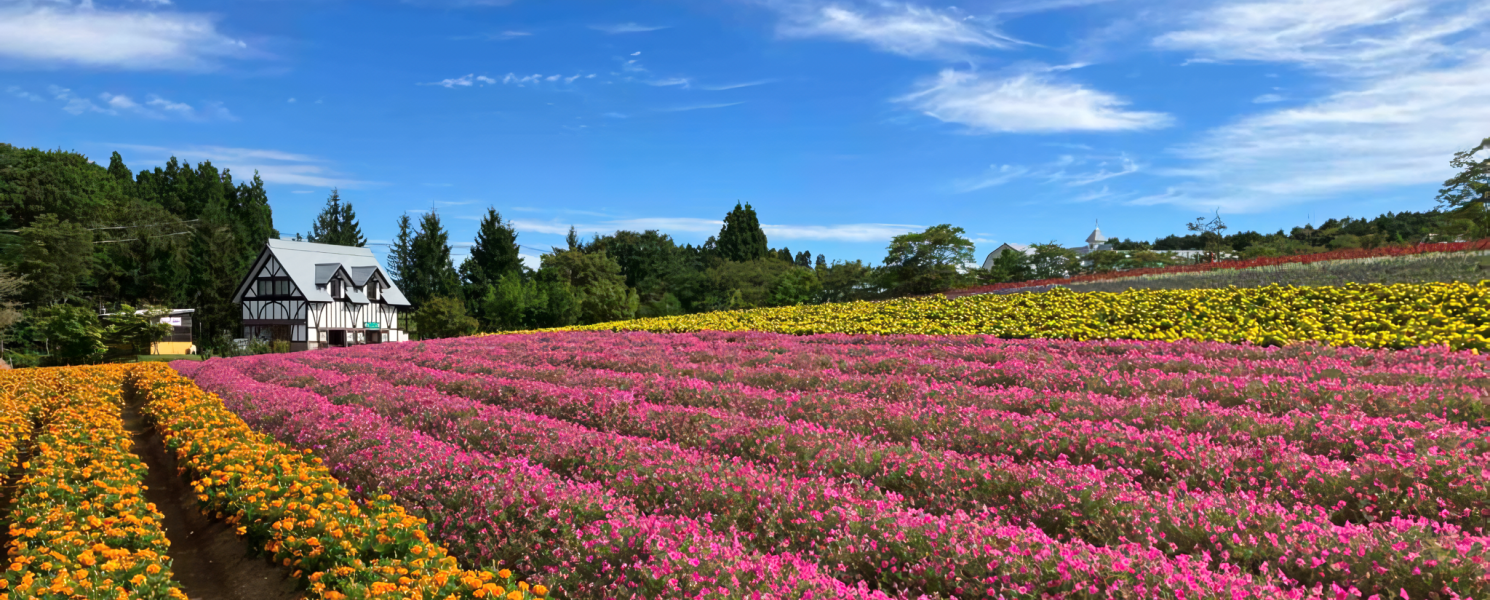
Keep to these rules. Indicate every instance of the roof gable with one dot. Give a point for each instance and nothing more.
(310, 265)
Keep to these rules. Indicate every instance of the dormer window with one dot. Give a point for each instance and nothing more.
(372, 290)
(336, 290)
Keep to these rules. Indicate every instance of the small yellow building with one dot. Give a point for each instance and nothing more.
(179, 342)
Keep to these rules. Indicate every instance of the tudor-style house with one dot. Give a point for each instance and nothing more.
(320, 295)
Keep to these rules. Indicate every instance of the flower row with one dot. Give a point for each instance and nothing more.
(1058, 498)
(80, 526)
(286, 503)
(1372, 316)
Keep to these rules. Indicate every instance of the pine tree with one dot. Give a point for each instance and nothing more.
(215, 274)
(784, 254)
(742, 238)
(337, 224)
(572, 239)
(494, 254)
(804, 259)
(121, 174)
(429, 273)
(400, 252)
(822, 262)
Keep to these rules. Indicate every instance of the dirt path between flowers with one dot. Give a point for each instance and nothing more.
(12, 485)
(207, 558)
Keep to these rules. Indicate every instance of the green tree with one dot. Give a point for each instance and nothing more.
(65, 184)
(1052, 261)
(745, 284)
(73, 333)
(804, 259)
(927, 262)
(215, 272)
(337, 224)
(822, 262)
(1466, 195)
(10, 311)
(401, 251)
(443, 317)
(1212, 238)
(1011, 265)
(56, 258)
(430, 272)
(742, 238)
(845, 281)
(597, 282)
(794, 287)
(139, 331)
(494, 255)
(1103, 261)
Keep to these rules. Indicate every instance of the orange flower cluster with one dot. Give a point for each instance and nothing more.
(287, 503)
(80, 526)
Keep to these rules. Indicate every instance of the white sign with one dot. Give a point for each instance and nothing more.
(174, 321)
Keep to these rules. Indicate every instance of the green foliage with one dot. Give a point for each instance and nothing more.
(10, 311)
(1472, 183)
(401, 252)
(494, 255)
(1103, 261)
(443, 317)
(514, 304)
(138, 331)
(56, 258)
(1010, 265)
(216, 270)
(741, 238)
(927, 262)
(1048, 261)
(745, 284)
(796, 286)
(597, 284)
(66, 185)
(428, 272)
(846, 281)
(337, 224)
(73, 333)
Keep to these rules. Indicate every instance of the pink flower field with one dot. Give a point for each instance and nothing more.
(753, 465)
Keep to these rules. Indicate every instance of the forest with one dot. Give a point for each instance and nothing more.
(78, 239)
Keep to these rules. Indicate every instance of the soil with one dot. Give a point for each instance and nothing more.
(13, 482)
(208, 559)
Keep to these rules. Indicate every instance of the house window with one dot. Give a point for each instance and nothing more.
(273, 287)
(336, 289)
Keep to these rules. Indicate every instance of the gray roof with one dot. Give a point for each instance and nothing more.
(307, 263)
(360, 275)
(1096, 237)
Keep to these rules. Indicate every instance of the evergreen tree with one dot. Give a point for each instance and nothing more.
(337, 224)
(429, 273)
(742, 238)
(494, 254)
(215, 273)
(400, 252)
(784, 255)
(822, 262)
(804, 259)
(572, 240)
(253, 220)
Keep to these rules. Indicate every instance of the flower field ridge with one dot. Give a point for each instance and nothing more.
(908, 466)
(80, 526)
(286, 503)
(1369, 316)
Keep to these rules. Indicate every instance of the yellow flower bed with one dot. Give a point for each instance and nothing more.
(286, 502)
(80, 526)
(1371, 316)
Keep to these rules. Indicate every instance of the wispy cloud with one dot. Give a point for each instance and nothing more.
(75, 105)
(538, 78)
(59, 33)
(627, 28)
(1026, 103)
(698, 107)
(274, 166)
(499, 36)
(467, 80)
(849, 232)
(669, 82)
(1068, 170)
(899, 27)
(1408, 82)
(732, 86)
(16, 91)
(1268, 99)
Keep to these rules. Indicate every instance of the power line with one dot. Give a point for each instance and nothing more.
(144, 238)
(119, 227)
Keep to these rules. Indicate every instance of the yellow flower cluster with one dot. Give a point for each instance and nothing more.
(287, 503)
(1370, 316)
(80, 526)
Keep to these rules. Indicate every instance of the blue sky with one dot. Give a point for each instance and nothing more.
(843, 122)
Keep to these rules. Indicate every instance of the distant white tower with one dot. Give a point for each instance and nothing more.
(1096, 239)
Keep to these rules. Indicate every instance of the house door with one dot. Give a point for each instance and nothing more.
(336, 338)
(374, 337)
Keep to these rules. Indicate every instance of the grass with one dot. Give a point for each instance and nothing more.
(166, 357)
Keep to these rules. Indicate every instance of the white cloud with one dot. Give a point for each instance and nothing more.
(627, 28)
(899, 27)
(23, 94)
(637, 53)
(463, 81)
(274, 166)
(1027, 103)
(1355, 36)
(997, 175)
(1268, 99)
(74, 104)
(698, 107)
(55, 33)
(485, 79)
(671, 81)
(291, 101)
(850, 232)
(731, 86)
(1391, 131)
(1408, 84)
(537, 78)
(1068, 170)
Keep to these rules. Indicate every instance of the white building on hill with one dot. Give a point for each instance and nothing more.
(320, 295)
(1094, 242)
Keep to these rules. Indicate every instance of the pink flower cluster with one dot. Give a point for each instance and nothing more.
(908, 466)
